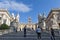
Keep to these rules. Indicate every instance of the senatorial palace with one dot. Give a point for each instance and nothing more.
(51, 21)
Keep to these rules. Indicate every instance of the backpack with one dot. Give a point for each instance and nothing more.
(38, 30)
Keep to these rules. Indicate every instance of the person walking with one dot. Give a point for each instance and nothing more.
(16, 29)
(38, 31)
(25, 31)
(52, 34)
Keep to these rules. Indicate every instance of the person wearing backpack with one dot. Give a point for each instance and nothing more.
(38, 31)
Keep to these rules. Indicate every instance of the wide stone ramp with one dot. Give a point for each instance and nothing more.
(17, 38)
(31, 35)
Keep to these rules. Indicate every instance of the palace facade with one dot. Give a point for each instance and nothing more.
(5, 17)
(28, 25)
(53, 19)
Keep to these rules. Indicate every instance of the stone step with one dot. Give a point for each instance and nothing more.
(57, 38)
(23, 35)
(26, 38)
(18, 38)
(22, 38)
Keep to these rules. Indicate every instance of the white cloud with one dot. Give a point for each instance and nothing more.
(15, 6)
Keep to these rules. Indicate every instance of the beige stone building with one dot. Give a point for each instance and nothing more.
(28, 25)
(5, 17)
(53, 19)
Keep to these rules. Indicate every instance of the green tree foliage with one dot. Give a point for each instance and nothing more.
(4, 26)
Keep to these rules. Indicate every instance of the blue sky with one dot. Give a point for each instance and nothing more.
(29, 8)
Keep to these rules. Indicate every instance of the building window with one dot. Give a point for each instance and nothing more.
(0, 18)
(59, 25)
(4, 21)
(58, 18)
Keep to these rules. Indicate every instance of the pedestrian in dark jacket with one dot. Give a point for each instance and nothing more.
(52, 33)
(25, 31)
(16, 29)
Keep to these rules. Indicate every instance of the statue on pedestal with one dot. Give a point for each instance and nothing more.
(41, 21)
(15, 22)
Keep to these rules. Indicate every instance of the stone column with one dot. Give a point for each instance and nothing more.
(44, 25)
(2, 19)
(54, 19)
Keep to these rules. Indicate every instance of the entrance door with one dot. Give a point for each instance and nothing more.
(59, 25)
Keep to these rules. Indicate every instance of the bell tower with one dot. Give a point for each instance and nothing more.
(29, 20)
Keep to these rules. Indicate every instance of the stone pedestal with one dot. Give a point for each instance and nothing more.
(55, 26)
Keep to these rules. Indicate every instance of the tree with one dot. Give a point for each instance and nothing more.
(4, 26)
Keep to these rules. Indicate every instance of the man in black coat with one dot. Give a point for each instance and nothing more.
(25, 31)
(52, 33)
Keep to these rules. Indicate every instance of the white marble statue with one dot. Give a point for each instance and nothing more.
(13, 16)
(17, 17)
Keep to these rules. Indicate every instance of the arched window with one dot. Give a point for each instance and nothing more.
(4, 21)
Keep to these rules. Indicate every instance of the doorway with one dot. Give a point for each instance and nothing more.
(59, 25)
